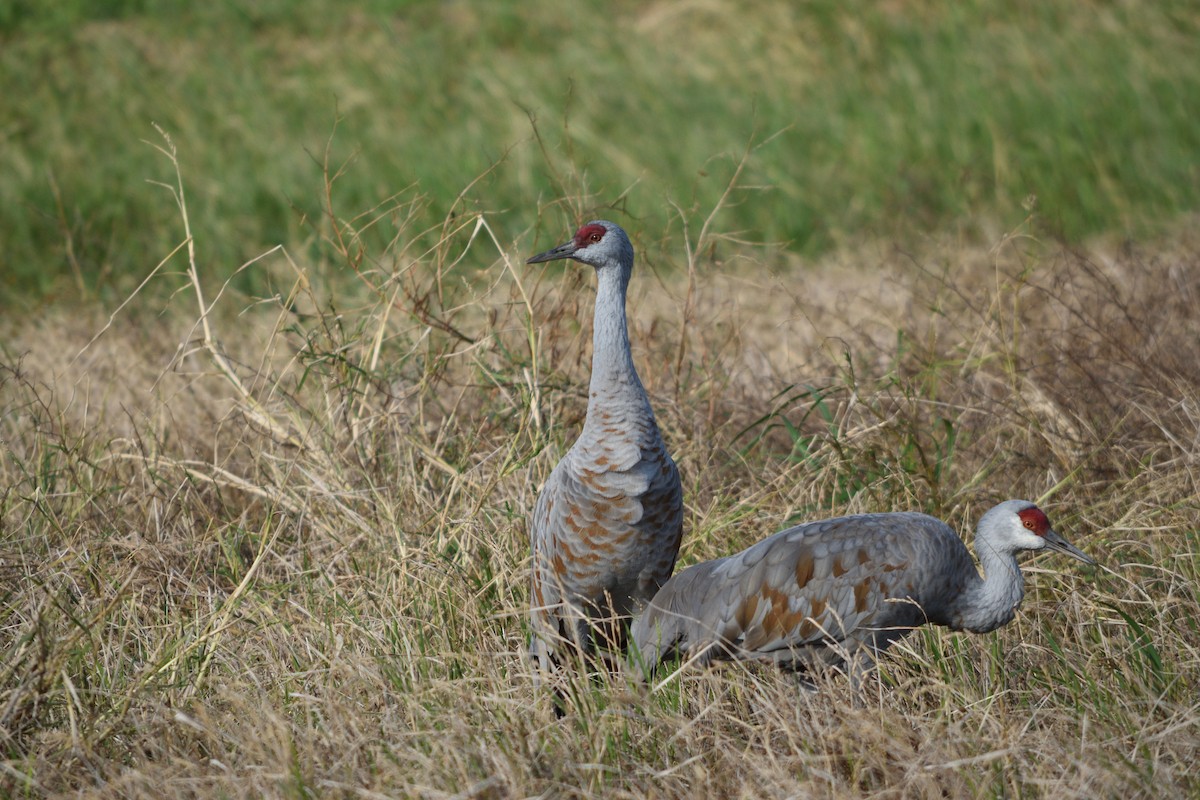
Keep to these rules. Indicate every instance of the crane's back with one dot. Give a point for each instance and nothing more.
(810, 594)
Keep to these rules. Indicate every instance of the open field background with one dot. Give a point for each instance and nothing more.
(262, 516)
(870, 120)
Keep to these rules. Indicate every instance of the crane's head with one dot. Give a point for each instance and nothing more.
(1020, 525)
(600, 243)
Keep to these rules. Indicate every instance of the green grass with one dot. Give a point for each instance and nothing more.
(864, 121)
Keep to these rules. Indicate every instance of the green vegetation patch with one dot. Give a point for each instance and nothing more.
(865, 120)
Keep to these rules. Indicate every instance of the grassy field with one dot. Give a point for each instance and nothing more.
(270, 429)
(866, 120)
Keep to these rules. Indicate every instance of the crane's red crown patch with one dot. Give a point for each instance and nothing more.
(589, 234)
(1035, 520)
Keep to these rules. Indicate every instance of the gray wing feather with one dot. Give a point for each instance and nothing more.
(791, 596)
(602, 533)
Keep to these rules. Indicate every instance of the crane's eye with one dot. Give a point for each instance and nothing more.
(595, 237)
(1029, 524)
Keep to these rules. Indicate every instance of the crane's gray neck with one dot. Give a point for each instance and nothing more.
(991, 601)
(613, 375)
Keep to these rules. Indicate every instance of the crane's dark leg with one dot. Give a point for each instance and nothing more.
(804, 682)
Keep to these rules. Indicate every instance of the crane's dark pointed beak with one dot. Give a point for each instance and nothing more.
(1056, 542)
(562, 251)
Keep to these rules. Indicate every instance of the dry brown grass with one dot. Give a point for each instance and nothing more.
(290, 559)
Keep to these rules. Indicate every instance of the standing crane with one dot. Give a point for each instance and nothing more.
(843, 590)
(606, 528)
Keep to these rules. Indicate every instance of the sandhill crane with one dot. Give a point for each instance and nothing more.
(824, 593)
(606, 528)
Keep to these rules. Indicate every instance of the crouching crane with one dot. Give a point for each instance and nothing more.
(842, 590)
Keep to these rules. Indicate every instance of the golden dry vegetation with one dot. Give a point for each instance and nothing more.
(278, 548)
